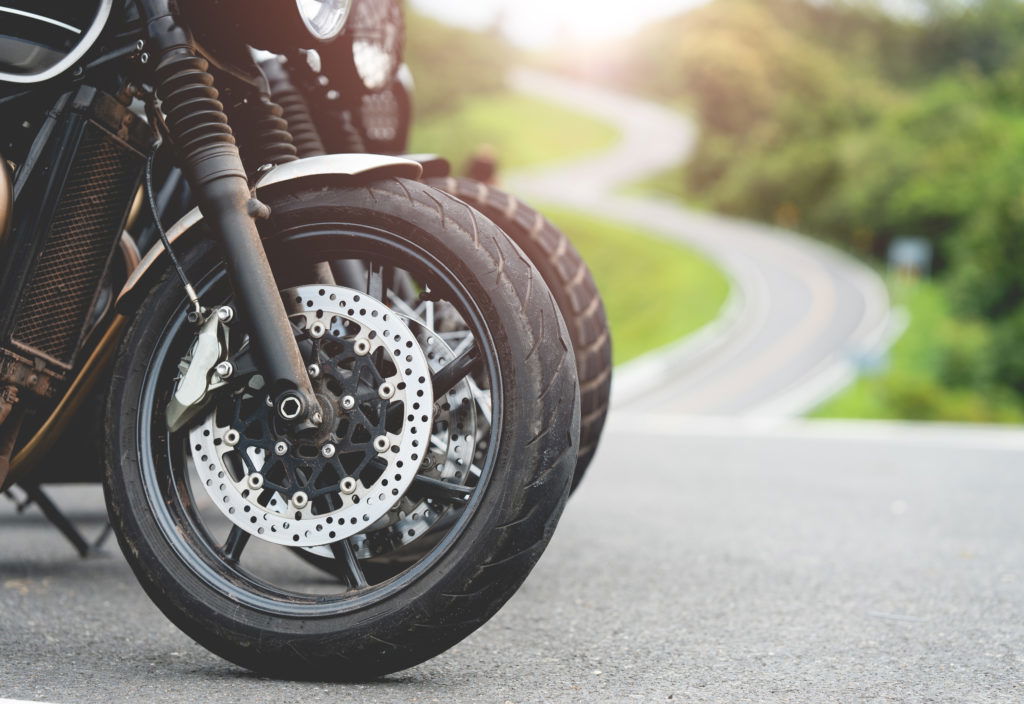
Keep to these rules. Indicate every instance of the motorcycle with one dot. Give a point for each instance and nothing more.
(328, 353)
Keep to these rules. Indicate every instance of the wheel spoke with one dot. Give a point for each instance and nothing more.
(235, 544)
(344, 553)
(448, 492)
(455, 371)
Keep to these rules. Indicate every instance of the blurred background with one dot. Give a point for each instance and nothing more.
(891, 130)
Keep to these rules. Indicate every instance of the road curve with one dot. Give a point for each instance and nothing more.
(802, 315)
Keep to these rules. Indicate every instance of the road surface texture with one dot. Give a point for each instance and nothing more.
(802, 317)
(744, 558)
(702, 561)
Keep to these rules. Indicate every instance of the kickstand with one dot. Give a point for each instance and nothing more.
(35, 495)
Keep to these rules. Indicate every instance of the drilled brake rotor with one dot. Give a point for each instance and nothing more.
(372, 379)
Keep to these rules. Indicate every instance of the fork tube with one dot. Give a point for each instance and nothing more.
(213, 166)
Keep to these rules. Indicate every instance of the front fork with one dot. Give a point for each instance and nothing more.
(213, 166)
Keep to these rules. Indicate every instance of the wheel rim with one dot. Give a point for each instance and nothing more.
(166, 475)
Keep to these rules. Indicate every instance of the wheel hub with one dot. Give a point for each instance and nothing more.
(314, 488)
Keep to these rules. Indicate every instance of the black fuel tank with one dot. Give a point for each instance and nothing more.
(39, 40)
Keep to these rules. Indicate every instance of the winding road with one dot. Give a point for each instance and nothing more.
(802, 316)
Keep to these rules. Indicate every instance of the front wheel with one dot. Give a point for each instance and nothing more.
(210, 516)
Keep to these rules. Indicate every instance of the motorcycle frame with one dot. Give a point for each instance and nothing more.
(228, 205)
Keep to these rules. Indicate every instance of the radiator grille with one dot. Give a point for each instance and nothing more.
(86, 224)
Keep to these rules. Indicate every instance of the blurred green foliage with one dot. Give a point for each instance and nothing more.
(450, 64)
(935, 371)
(853, 124)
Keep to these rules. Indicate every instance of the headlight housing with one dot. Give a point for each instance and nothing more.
(367, 55)
(324, 18)
(274, 25)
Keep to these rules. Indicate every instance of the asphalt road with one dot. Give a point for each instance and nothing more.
(803, 317)
(815, 562)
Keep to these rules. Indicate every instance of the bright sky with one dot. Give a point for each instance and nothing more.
(536, 23)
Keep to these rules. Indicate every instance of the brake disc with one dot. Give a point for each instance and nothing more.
(373, 382)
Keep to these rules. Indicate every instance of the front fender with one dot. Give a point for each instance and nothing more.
(350, 169)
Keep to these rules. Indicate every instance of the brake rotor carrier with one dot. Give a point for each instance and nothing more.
(372, 380)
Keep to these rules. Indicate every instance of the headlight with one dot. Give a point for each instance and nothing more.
(324, 18)
(367, 55)
(377, 31)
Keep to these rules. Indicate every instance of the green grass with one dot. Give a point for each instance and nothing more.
(523, 131)
(655, 291)
(928, 374)
(663, 184)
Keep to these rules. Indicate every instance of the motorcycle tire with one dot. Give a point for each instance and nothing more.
(575, 292)
(365, 631)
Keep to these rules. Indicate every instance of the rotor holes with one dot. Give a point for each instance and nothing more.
(366, 518)
(401, 386)
(261, 530)
(204, 458)
(353, 521)
(362, 311)
(415, 405)
(298, 515)
(383, 482)
(398, 464)
(380, 497)
(356, 298)
(394, 492)
(408, 344)
(273, 529)
(426, 419)
(398, 477)
(295, 538)
(231, 510)
(287, 525)
(373, 314)
(206, 433)
(309, 304)
(298, 299)
(330, 520)
(419, 393)
(412, 533)
(252, 520)
(246, 509)
(209, 482)
(422, 380)
(332, 535)
(333, 297)
(322, 292)
(220, 475)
